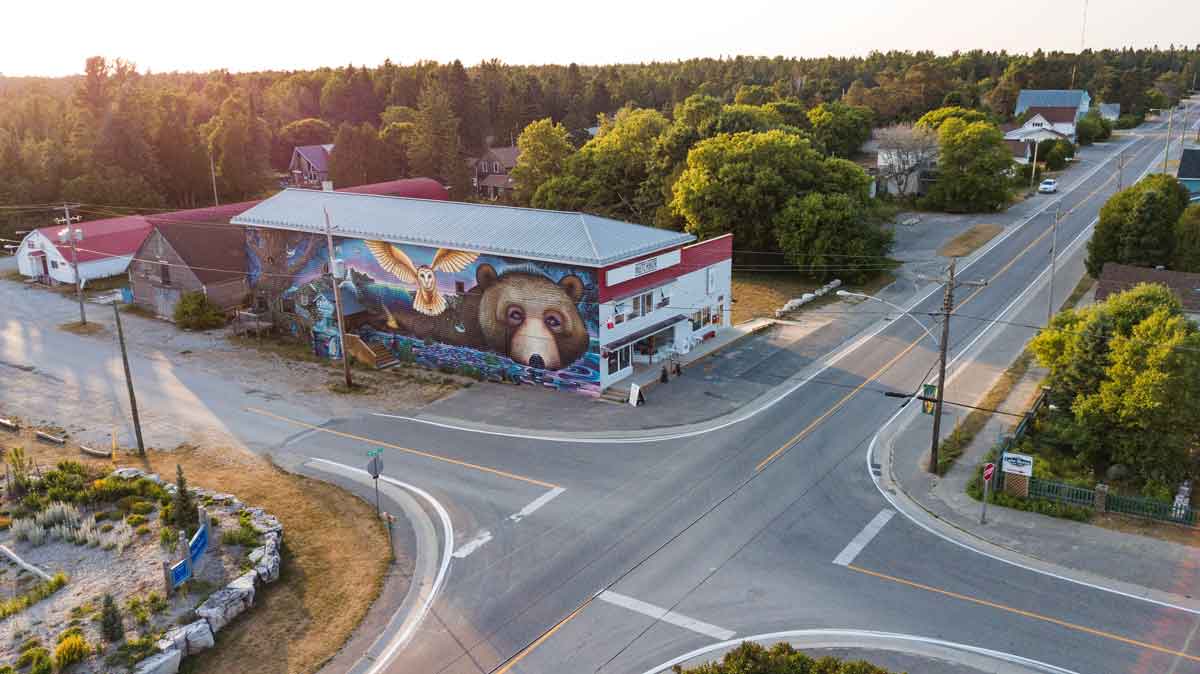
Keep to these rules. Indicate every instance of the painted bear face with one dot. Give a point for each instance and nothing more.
(532, 319)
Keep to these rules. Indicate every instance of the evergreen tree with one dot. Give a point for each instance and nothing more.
(183, 509)
(111, 626)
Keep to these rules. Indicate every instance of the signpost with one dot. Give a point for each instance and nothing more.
(180, 572)
(375, 467)
(1017, 464)
(928, 395)
(989, 470)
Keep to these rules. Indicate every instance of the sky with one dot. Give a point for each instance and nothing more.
(54, 37)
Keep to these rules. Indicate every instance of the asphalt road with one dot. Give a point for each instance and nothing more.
(568, 554)
(572, 551)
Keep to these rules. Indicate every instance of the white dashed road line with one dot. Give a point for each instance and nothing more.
(856, 544)
(659, 613)
(535, 504)
(473, 545)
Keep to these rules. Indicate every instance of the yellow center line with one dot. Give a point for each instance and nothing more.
(512, 662)
(417, 452)
(838, 405)
(1028, 614)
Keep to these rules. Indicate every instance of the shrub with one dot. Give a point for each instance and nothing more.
(135, 520)
(71, 648)
(184, 510)
(142, 530)
(142, 508)
(133, 651)
(243, 535)
(194, 311)
(167, 537)
(105, 528)
(138, 609)
(156, 603)
(30, 656)
(110, 621)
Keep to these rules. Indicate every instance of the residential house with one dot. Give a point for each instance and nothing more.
(310, 165)
(1077, 99)
(1043, 124)
(492, 172)
(1189, 171)
(192, 251)
(1115, 278)
(1110, 111)
(878, 164)
(105, 250)
(569, 301)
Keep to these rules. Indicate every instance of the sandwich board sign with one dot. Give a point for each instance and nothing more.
(1017, 464)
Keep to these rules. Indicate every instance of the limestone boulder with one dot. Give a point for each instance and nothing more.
(166, 662)
(128, 473)
(188, 639)
(228, 603)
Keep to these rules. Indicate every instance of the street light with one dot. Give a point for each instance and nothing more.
(847, 293)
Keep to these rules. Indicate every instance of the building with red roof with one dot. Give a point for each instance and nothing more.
(104, 250)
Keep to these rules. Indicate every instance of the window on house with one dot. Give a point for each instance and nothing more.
(54, 264)
(460, 287)
(495, 167)
(637, 307)
(618, 319)
(647, 303)
(164, 274)
(697, 321)
(614, 363)
(624, 360)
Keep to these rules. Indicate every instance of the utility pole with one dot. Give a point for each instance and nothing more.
(137, 424)
(1053, 252)
(73, 236)
(212, 171)
(1033, 166)
(1121, 170)
(1167, 150)
(943, 346)
(337, 303)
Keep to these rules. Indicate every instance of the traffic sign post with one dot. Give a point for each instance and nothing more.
(989, 470)
(928, 402)
(375, 467)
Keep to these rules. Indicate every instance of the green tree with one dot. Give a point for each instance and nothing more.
(819, 232)
(840, 129)
(240, 145)
(181, 153)
(397, 138)
(1125, 374)
(973, 162)
(436, 149)
(307, 131)
(754, 94)
(359, 157)
(935, 118)
(183, 509)
(752, 658)
(739, 183)
(1187, 241)
(110, 621)
(544, 148)
(1137, 225)
(1088, 130)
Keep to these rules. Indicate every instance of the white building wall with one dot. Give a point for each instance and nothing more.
(703, 292)
(59, 265)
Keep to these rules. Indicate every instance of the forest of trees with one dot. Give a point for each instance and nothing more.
(121, 137)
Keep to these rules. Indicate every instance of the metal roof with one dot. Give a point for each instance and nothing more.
(1189, 164)
(553, 236)
(1049, 98)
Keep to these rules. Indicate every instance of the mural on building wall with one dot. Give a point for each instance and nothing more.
(486, 315)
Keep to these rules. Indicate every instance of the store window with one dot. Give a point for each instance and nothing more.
(637, 307)
(697, 321)
(624, 359)
(613, 361)
(647, 303)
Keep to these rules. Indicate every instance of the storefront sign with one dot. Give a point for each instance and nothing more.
(633, 270)
(1017, 464)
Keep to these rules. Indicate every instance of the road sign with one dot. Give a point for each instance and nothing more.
(1017, 464)
(988, 471)
(375, 452)
(928, 391)
(375, 466)
(199, 543)
(180, 572)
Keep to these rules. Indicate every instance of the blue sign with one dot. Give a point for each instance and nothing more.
(199, 543)
(180, 572)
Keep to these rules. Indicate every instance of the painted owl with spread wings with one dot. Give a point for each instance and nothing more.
(428, 300)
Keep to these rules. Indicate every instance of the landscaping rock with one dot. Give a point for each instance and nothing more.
(128, 473)
(226, 604)
(188, 639)
(153, 477)
(257, 554)
(263, 522)
(166, 662)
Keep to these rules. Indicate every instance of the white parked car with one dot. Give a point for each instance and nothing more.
(1048, 186)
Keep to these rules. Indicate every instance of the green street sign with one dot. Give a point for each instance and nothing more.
(374, 452)
(928, 391)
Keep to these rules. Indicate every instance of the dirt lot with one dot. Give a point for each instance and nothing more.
(964, 244)
(757, 294)
(335, 556)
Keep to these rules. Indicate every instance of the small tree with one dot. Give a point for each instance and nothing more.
(904, 150)
(110, 621)
(194, 311)
(183, 509)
